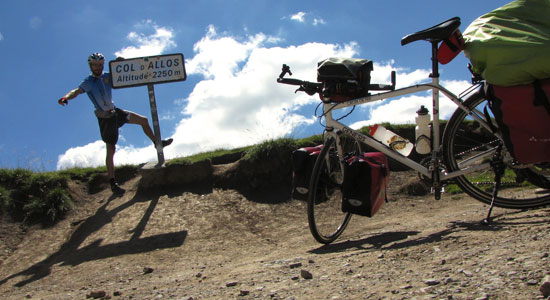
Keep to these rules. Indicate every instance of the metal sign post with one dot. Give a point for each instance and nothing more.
(149, 71)
(156, 126)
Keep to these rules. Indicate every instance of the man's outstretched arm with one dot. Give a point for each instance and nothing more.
(70, 95)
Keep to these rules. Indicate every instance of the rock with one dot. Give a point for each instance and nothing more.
(96, 294)
(431, 281)
(295, 265)
(532, 282)
(306, 274)
(415, 187)
(467, 273)
(231, 284)
(154, 177)
(148, 270)
(545, 287)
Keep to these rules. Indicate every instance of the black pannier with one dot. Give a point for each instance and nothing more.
(303, 161)
(344, 78)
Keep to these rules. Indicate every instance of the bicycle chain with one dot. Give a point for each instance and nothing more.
(476, 148)
(503, 183)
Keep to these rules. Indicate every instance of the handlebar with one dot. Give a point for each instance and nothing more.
(292, 81)
(312, 88)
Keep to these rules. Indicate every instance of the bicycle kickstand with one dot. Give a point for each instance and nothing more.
(498, 167)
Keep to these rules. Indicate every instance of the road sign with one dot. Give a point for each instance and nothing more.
(147, 70)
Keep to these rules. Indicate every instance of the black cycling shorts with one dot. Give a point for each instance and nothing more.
(109, 126)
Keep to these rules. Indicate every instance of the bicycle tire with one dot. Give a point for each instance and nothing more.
(464, 138)
(325, 217)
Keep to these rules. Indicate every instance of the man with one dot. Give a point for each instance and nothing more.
(110, 118)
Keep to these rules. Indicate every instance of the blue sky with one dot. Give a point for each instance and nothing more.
(233, 52)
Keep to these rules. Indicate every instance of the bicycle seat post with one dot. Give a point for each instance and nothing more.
(435, 63)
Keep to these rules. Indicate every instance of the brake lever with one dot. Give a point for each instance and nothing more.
(310, 91)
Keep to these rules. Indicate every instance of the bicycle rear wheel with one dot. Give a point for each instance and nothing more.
(324, 210)
(466, 143)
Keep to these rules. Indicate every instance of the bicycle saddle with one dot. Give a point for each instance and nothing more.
(436, 33)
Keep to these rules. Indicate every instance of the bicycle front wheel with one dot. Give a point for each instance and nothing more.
(325, 216)
(466, 144)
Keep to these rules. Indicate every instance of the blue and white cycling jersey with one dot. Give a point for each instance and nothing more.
(99, 91)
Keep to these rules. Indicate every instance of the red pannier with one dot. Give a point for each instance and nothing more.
(522, 113)
(303, 161)
(366, 178)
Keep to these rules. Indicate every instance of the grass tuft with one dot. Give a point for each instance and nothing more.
(34, 197)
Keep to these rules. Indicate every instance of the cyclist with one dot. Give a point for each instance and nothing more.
(110, 118)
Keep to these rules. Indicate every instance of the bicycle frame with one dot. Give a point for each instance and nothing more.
(432, 171)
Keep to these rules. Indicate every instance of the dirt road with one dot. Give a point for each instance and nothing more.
(217, 244)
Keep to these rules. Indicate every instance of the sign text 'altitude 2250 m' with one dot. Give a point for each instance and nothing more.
(147, 70)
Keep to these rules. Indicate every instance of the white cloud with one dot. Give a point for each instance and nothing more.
(303, 17)
(239, 102)
(299, 17)
(403, 110)
(35, 23)
(155, 43)
(93, 155)
(318, 21)
(1, 36)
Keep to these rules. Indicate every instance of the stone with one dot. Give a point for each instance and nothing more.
(306, 274)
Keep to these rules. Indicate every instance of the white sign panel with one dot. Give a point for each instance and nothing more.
(147, 70)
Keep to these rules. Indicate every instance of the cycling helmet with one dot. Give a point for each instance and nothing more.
(97, 57)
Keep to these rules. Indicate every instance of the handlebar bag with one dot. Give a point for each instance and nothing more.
(366, 178)
(303, 161)
(344, 78)
(522, 113)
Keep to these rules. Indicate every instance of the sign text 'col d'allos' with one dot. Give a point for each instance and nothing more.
(147, 70)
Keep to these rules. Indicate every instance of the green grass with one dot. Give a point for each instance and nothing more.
(34, 197)
(279, 149)
(209, 155)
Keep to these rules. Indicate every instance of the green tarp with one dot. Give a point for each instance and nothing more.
(511, 44)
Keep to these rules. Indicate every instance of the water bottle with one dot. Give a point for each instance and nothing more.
(391, 139)
(423, 131)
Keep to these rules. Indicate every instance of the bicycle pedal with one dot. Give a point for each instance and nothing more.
(437, 192)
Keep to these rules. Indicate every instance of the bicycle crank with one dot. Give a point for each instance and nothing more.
(437, 187)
